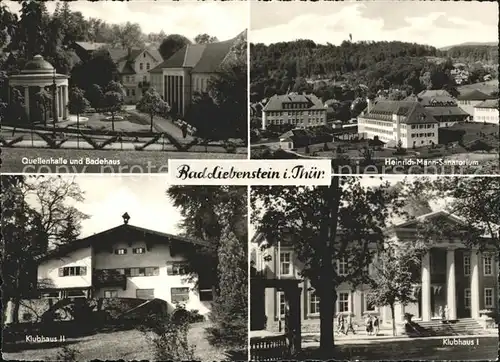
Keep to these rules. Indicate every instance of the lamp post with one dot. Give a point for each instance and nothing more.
(54, 101)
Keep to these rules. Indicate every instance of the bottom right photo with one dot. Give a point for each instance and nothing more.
(376, 268)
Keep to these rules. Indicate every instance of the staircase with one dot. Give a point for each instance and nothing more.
(460, 327)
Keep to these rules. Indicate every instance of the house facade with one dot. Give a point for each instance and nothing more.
(395, 121)
(189, 70)
(468, 100)
(486, 111)
(299, 110)
(451, 276)
(125, 262)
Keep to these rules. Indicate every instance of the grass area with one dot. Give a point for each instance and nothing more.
(129, 161)
(123, 345)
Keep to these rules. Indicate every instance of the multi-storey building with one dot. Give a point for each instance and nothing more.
(395, 121)
(125, 262)
(453, 277)
(468, 100)
(189, 70)
(486, 111)
(133, 65)
(299, 110)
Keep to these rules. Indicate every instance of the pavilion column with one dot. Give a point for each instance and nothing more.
(27, 101)
(474, 286)
(65, 102)
(59, 101)
(426, 287)
(451, 285)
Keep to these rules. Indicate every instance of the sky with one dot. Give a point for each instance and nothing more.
(143, 197)
(436, 23)
(188, 18)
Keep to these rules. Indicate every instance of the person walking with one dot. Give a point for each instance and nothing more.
(350, 326)
(368, 325)
(376, 325)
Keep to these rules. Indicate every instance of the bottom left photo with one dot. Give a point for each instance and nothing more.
(123, 268)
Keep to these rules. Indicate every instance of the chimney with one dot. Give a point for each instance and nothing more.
(368, 105)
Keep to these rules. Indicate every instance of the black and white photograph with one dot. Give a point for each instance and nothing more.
(377, 86)
(376, 268)
(121, 87)
(123, 268)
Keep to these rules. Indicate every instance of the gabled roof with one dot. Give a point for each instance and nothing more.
(201, 58)
(434, 93)
(489, 103)
(474, 95)
(276, 102)
(412, 111)
(91, 46)
(97, 239)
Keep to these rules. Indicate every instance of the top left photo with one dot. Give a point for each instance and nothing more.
(112, 87)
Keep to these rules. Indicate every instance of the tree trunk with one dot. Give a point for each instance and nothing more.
(112, 121)
(326, 318)
(151, 127)
(393, 317)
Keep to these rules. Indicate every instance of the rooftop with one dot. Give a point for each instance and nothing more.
(38, 65)
(276, 102)
(489, 103)
(474, 95)
(412, 111)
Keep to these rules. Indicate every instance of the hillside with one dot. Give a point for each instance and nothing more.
(493, 44)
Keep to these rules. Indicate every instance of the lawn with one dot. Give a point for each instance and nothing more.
(129, 161)
(123, 345)
(483, 349)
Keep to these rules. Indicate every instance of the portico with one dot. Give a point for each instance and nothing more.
(39, 74)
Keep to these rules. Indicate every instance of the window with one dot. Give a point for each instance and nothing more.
(467, 298)
(49, 295)
(127, 91)
(141, 65)
(110, 294)
(285, 263)
(148, 66)
(281, 303)
(145, 293)
(144, 55)
(488, 297)
(70, 271)
(179, 295)
(75, 293)
(177, 268)
(487, 265)
(313, 303)
(139, 250)
(152, 271)
(466, 264)
(369, 306)
(133, 92)
(343, 302)
(342, 267)
(127, 272)
(121, 251)
(137, 272)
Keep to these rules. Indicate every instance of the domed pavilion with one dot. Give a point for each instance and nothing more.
(38, 74)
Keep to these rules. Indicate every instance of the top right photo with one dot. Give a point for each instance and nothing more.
(377, 87)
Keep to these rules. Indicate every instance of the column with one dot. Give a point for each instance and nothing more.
(56, 106)
(65, 102)
(426, 287)
(27, 101)
(59, 108)
(451, 294)
(474, 284)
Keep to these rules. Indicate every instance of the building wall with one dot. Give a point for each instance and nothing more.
(48, 271)
(468, 105)
(158, 256)
(157, 83)
(142, 72)
(200, 81)
(488, 115)
(301, 118)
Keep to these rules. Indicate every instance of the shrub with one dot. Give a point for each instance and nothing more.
(68, 354)
(168, 338)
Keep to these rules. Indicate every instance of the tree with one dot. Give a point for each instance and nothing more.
(324, 225)
(153, 104)
(38, 213)
(100, 69)
(29, 37)
(8, 24)
(171, 44)
(95, 95)
(205, 39)
(218, 214)
(128, 35)
(113, 100)
(77, 104)
(394, 275)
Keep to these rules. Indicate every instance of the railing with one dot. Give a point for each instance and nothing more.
(271, 348)
(108, 278)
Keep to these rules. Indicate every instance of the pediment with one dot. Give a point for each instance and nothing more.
(440, 219)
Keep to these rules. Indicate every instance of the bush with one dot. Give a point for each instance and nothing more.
(68, 354)
(168, 338)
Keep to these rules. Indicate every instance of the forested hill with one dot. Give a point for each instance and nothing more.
(474, 53)
(306, 58)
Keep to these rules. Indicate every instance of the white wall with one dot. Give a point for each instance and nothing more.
(144, 58)
(488, 115)
(48, 271)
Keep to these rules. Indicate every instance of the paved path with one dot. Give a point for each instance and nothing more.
(163, 125)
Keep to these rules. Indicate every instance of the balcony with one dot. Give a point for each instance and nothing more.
(109, 278)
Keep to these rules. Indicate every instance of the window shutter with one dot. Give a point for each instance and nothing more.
(61, 272)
